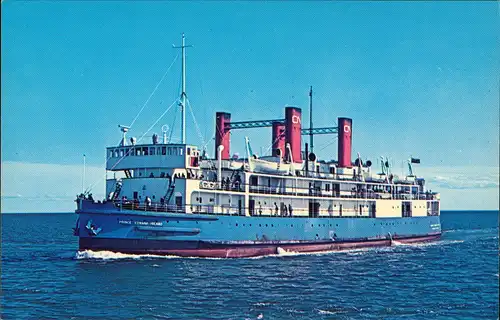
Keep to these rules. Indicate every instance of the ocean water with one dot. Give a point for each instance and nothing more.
(44, 277)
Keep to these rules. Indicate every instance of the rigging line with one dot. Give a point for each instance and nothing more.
(272, 143)
(328, 144)
(106, 161)
(203, 142)
(152, 93)
(198, 130)
(123, 157)
(145, 103)
(173, 127)
(172, 130)
(157, 120)
(207, 142)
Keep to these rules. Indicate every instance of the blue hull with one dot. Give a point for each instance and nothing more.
(241, 236)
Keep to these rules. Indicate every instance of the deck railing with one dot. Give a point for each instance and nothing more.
(315, 192)
(257, 210)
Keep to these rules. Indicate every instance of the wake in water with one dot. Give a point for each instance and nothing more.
(478, 230)
(397, 243)
(109, 255)
(426, 244)
(284, 253)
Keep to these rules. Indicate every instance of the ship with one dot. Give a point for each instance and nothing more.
(166, 198)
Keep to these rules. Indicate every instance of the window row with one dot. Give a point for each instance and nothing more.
(145, 151)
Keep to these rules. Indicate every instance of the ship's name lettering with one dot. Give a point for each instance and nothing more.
(140, 223)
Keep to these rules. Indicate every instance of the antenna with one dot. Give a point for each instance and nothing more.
(311, 136)
(83, 176)
(183, 93)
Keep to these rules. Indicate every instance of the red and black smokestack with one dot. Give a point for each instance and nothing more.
(293, 132)
(222, 134)
(345, 142)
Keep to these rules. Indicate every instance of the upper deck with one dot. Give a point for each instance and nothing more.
(151, 156)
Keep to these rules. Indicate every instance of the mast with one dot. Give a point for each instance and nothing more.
(311, 139)
(83, 176)
(183, 94)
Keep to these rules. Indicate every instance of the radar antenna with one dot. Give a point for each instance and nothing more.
(124, 129)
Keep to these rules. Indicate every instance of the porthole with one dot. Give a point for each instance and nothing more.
(260, 225)
(266, 225)
(236, 224)
(272, 225)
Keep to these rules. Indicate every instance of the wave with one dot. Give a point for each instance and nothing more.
(262, 304)
(326, 312)
(109, 255)
(339, 310)
(477, 230)
(427, 244)
(397, 243)
(285, 253)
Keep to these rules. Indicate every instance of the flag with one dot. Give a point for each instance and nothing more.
(415, 160)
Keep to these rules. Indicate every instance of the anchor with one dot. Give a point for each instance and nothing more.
(91, 228)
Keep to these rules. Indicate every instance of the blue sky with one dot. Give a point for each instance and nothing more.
(417, 78)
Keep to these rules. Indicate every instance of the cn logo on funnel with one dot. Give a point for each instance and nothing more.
(347, 129)
(295, 119)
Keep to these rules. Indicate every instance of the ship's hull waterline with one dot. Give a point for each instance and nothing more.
(206, 250)
(222, 236)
